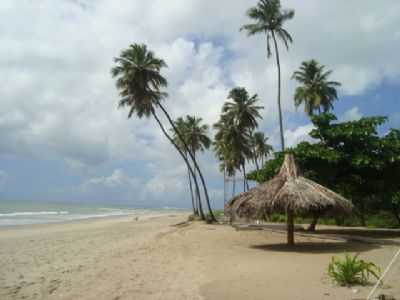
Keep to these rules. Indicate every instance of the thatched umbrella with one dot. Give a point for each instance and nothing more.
(290, 193)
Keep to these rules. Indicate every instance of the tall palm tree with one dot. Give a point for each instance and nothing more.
(196, 203)
(233, 131)
(232, 146)
(315, 91)
(243, 110)
(197, 138)
(140, 83)
(243, 114)
(269, 19)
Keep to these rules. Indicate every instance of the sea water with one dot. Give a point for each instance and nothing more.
(20, 213)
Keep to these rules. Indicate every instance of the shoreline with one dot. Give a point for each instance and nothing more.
(93, 219)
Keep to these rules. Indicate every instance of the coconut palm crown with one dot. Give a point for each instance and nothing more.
(315, 91)
(139, 80)
(243, 111)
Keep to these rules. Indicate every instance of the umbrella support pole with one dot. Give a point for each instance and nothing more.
(290, 227)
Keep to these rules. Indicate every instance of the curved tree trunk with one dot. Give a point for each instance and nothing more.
(279, 92)
(195, 212)
(200, 205)
(233, 185)
(245, 182)
(179, 150)
(193, 159)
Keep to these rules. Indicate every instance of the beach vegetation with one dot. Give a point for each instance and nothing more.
(352, 270)
(352, 159)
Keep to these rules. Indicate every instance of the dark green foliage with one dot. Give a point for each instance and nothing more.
(352, 271)
(352, 159)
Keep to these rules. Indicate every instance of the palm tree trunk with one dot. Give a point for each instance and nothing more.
(179, 150)
(193, 159)
(195, 212)
(279, 92)
(234, 185)
(199, 200)
(224, 187)
(245, 182)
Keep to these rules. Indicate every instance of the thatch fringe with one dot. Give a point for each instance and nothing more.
(288, 191)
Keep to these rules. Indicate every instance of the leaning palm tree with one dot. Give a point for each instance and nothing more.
(315, 90)
(197, 138)
(140, 84)
(269, 19)
(196, 203)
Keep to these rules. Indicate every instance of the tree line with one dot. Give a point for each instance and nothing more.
(238, 141)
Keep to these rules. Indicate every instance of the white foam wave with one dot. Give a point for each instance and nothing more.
(34, 213)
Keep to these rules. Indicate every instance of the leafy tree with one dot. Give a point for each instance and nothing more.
(316, 90)
(350, 158)
(269, 18)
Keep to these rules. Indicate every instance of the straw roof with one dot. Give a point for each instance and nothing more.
(287, 191)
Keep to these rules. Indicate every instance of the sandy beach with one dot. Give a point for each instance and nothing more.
(149, 258)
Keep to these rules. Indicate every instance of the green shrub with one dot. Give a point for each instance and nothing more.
(352, 270)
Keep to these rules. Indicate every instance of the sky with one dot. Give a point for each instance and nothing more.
(63, 138)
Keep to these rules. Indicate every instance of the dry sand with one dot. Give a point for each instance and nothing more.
(150, 259)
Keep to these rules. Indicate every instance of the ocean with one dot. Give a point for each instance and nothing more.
(20, 213)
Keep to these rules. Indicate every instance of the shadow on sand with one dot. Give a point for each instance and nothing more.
(371, 233)
(318, 247)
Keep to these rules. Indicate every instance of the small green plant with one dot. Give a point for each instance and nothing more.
(352, 270)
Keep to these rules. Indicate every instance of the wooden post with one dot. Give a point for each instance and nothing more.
(290, 227)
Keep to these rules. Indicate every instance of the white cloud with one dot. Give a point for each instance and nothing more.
(299, 134)
(59, 101)
(352, 114)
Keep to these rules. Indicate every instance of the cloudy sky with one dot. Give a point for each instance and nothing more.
(63, 138)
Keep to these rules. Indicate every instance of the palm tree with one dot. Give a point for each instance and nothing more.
(233, 132)
(261, 148)
(242, 114)
(197, 138)
(196, 204)
(315, 91)
(243, 110)
(269, 19)
(138, 79)
(232, 147)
